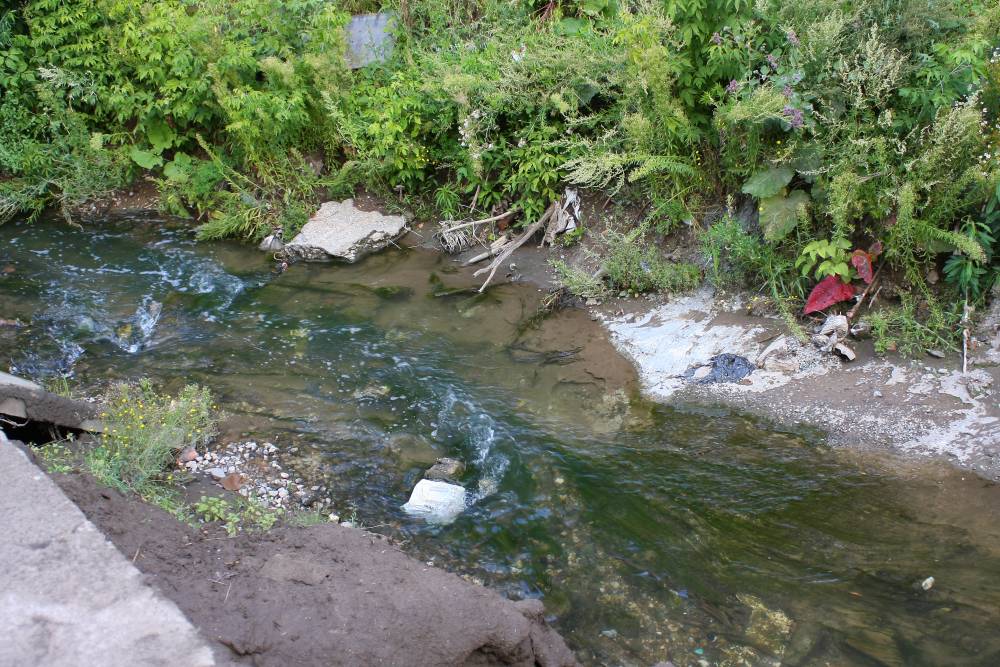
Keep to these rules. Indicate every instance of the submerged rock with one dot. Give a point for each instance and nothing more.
(445, 469)
(435, 501)
(340, 230)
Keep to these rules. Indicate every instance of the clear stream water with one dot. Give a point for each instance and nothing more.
(651, 532)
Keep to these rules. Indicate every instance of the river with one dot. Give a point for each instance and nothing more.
(650, 532)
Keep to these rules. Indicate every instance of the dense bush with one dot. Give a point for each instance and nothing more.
(848, 122)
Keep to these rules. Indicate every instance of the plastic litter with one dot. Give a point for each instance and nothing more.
(435, 501)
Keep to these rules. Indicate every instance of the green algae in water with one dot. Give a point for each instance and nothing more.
(651, 533)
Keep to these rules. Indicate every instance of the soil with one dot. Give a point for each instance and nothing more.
(317, 595)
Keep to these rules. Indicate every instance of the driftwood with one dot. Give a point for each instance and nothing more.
(495, 248)
(509, 249)
(454, 238)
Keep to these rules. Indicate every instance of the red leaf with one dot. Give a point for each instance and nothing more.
(862, 261)
(875, 250)
(827, 292)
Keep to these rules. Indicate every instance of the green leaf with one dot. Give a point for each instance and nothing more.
(570, 27)
(160, 135)
(768, 183)
(178, 169)
(145, 159)
(779, 215)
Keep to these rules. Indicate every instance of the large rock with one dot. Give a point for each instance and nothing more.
(343, 231)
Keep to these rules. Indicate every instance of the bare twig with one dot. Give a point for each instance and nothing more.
(511, 247)
(854, 311)
(495, 218)
(965, 336)
(495, 248)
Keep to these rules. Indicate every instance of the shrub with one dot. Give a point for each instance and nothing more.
(144, 431)
(579, 282)
(637, 267)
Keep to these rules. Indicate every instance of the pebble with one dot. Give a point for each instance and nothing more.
(264, 482)
(877, 394)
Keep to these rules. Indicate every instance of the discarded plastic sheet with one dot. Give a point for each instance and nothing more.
(437, 502)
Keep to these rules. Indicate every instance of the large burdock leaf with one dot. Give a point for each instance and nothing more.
(769, 182)
(827, 292)
(145, 159)
(779, 214)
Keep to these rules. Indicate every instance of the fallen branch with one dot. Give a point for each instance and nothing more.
(455, 239)
(473, 223)
(854, 311)
(511, 247)
(495, 248)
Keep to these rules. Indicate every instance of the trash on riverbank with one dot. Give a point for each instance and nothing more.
(435, 501)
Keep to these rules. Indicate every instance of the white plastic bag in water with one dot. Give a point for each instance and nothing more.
(437, 502)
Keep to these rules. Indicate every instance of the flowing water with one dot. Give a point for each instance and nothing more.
(651, 533)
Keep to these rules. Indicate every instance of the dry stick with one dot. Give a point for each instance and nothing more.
(965, 336)
(511, 247)
(854, 311)
(495, 218)
(493, 250)
(475, 198)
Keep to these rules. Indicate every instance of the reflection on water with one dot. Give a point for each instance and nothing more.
(651, 533)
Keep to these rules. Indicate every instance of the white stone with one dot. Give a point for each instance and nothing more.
(437, 502)
(343, 231)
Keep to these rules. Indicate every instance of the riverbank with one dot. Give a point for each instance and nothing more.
(916, 408)
(304, 595)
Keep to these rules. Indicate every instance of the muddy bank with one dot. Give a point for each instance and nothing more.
(321, 594)
(923, 408)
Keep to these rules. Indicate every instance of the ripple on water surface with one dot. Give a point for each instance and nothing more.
(651, 533)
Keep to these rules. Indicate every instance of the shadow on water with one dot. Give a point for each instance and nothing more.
(651, 533)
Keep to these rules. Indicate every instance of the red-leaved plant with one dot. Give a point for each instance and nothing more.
(833, 290)
(827, 292)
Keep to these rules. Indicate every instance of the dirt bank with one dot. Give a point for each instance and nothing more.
(915, 408)
(318, 595)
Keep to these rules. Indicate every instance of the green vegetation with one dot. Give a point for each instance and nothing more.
(244, 515)
(845, 123)
(144, 433)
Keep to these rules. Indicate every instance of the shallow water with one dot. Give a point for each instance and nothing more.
(651, 533)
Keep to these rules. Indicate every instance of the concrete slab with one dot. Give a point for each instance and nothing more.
(67, 596)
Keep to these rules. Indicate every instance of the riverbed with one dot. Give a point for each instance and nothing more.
(650, 532)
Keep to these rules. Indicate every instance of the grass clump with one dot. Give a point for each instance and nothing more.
(635, 266)
(579, 282)
(144, 431)
(916, 326)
